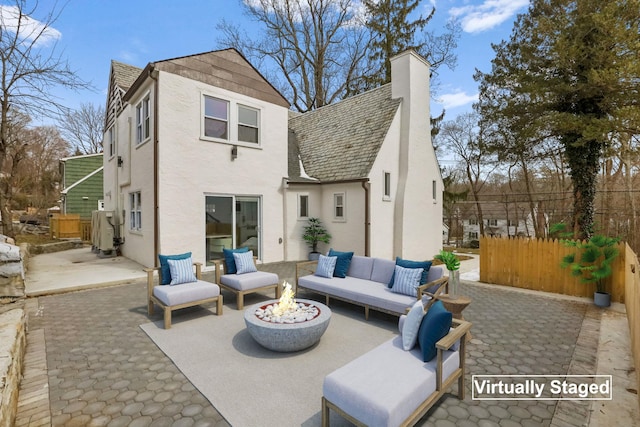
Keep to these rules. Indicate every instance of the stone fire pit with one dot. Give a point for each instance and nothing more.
(284, 335)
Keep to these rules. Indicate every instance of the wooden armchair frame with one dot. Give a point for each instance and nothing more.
(240, 293)
(152, 299)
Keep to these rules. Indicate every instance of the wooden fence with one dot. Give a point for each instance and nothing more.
(85, 230)
(632, 303)
(64, 226)
(535, 264)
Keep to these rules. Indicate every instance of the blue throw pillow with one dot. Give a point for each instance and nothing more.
(164, 266)
(435, 325)
(326, 266)
(407, 281)
(425, 265)
(244, 262)
(181, 271)
(342, 263)
(229, 262)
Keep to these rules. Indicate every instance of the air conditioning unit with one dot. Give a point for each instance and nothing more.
(104, 225)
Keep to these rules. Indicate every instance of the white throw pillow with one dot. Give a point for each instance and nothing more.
(326, 266)
(244, 262)
(407, 280)
(181, 271)
(411, 326)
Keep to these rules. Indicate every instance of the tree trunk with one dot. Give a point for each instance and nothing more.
(584, 163)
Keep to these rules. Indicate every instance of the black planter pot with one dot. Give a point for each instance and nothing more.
(602, 299)
(314, 256)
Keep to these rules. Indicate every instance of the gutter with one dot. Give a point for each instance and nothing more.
(153, 74)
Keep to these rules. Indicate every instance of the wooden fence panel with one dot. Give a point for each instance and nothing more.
(535, 264)
(632, 304)
(65, 226)
(85, 230)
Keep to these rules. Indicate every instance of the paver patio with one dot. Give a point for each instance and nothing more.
(102, 369)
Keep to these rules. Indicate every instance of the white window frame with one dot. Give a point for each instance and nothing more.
(256, 126)
(112, 143)
(386, 186)
(340, 204)
(303, 200)
(473, 221)
(473, 235)
(227, 120)
(434, 188)
(143, 120)
(492, 223)
(135, 211)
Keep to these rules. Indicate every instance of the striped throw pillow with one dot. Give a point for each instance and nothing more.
(181, 271)
(326, 265)
(244, 262)
(407, 281)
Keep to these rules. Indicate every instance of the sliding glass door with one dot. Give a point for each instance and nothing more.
(231, 222)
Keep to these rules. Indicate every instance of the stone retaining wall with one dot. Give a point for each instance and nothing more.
(12, 326)
(12, 349)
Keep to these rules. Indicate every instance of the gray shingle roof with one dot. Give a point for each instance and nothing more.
(124, 74)
(341, 141)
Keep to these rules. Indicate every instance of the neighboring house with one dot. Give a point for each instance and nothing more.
(498, 222)
(82, 182)
(201, 154)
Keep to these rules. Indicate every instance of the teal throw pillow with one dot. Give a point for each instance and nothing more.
(229, 261)
(244, 262)
(435, 325)
(425, 265)
(181, 271)
(164, 266)
(342, 263)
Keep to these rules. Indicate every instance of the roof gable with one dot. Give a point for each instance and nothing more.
(341, 141)
(226, 69)
(121, 78)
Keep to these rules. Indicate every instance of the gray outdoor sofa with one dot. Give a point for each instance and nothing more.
(366, 284)
(391, 387)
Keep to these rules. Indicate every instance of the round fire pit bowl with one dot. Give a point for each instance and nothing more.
(287, 337)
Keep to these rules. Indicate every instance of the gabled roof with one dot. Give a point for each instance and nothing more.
(124, 74)
(342, 140)
(226, 69)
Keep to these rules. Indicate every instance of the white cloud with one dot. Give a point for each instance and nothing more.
(485, 16)
(30, 29)
(456, 99)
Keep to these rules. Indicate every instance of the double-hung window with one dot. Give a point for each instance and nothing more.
(338, 206)
(216, 118)
(135, 219)
(143, 120)
(248, 128)
(492, 222)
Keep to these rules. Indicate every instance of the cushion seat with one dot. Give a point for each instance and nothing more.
(248, 281)
(186, 292)
(383, 387)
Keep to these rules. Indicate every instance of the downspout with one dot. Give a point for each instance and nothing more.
(153, 74)
(367, 217)
(285, 222)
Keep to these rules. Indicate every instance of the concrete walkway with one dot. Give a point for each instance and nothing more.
(88, 362)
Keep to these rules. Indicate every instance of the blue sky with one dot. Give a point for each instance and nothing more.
(90, 33)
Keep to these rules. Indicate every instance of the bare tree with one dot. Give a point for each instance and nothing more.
(31, 67)
(464, 137)
(317, 46)
(83, 128)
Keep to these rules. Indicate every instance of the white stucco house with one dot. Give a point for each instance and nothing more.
(202, 153)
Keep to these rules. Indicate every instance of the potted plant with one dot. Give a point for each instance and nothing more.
(593, 263)
(314, 233)
(452, 262)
